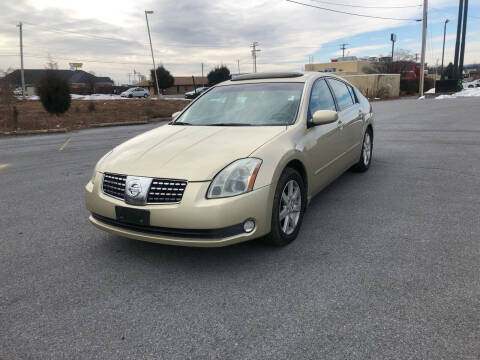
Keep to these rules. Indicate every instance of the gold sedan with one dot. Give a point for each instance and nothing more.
(240, 162)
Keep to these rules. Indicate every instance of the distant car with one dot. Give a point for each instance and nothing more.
(194, 93)
(473, 84)
(137, 92)
(18, 91)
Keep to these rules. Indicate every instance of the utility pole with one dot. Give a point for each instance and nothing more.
(238, 66)
(151, 48)
(464, 35)
(443, 49)
(202, 76)
(416, 57)
(254, 55)
(20, 25)
(129, 75)
(457, 42)
(343, 47)
(424, 43)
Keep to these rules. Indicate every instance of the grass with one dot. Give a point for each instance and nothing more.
(32, 116)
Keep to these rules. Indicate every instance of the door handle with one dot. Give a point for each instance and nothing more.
(340, 124)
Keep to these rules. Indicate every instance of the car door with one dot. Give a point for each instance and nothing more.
(350, 116)
(323, 142)
(138, 92)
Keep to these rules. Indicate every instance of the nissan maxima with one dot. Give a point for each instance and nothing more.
(240, 162)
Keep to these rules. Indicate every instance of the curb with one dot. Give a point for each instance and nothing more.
(64, 130)
(34, 132)
(143, 122)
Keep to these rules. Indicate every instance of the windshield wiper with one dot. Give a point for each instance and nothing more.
(180, 123)
(229, 124)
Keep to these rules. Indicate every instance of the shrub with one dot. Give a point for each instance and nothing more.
(54, 93)
(165, 79)
(218, 75)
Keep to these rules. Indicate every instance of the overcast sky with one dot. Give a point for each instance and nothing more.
(110, 37)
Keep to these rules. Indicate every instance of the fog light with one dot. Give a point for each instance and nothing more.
(249, 225)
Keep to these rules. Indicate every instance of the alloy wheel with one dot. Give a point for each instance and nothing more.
(290, 206)
(367, 149)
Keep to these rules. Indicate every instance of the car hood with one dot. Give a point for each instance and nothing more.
(194, 153)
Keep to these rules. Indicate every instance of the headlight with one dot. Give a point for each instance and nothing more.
(95, 169)
(237, 178)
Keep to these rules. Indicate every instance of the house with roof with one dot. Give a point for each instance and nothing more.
(81, 82)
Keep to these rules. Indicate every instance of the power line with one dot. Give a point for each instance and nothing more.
(53, 29)
(98, 37)
(367, 7)
(353, 14)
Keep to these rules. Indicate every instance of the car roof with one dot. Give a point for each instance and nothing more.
(275, 77)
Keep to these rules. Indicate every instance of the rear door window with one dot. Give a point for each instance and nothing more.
(342, 94)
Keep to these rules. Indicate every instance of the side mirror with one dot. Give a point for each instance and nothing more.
(175, 115)
(321, 117)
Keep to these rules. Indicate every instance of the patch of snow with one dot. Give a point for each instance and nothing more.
(473, 92)
(421, 97)
(96, 97)
(431, 91)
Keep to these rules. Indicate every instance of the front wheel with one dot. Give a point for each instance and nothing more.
(366, 155)
(145, 96)
(289, 205)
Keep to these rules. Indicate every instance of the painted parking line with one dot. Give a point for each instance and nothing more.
(65, 144)
(2, 166)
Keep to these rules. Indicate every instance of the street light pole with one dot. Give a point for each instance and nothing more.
(151, 48)
(443, 49)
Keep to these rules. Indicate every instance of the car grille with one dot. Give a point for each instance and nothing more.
(166, 191)
(161, 190)
(114, 185)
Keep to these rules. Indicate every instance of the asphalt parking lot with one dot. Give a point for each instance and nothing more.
(387, 264)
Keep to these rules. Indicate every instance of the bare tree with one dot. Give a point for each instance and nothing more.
(51, 64)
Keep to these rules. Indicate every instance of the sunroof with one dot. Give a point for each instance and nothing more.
(266, 75)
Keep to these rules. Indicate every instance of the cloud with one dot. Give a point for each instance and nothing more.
(184, 33)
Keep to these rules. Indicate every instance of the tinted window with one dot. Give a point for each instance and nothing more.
(352, 93)
(321, 98)
(342, 94)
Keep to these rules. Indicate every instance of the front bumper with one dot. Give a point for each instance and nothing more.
(195, 221)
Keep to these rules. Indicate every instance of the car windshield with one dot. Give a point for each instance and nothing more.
(260, 104)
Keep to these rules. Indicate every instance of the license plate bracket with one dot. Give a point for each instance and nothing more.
(132, 216)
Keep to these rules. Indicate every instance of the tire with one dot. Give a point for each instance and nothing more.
(145, 96)
(290, 181)
(366, 154)
(130, 96)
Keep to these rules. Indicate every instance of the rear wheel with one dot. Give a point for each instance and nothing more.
(145, 96)
(366, 155)
(288, 208)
